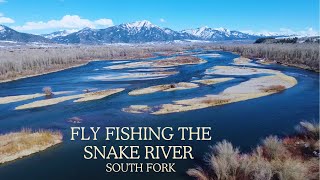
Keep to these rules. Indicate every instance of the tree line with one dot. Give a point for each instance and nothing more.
(303, 55)
(21, 61)
(29, 60)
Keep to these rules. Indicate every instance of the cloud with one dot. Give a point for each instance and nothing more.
(5, 20)
(66, 22)
(3, 1)
(285, 31)
(310, 32)
(162, 20)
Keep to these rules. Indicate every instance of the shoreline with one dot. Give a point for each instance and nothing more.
(304, 67)
(85, 62)
(17, 145)
(39, 74)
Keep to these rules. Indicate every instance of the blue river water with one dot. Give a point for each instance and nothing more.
(243, 123)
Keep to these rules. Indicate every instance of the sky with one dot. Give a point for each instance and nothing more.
(36, 16)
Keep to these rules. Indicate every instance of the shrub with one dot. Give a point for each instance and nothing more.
(224, 160)
(47, 91)
(258, 167)
(215, 101)
(316, 145)
(290, 169)
(309, 129)
(172, 86)
(273, 147)
(270, 161)
(274, 88)
(198, 173)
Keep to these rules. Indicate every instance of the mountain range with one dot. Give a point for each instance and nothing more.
(8, 34)
(136, 32)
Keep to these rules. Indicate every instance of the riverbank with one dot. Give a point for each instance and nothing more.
(16, 145)
(43, 73)
(168, 63)
(23, 61)
(58, 69)
(304, 56)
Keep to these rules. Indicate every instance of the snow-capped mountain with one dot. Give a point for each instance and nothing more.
(84, 36)
(8, 34)
(136, 32)
(266, 33)
(218, 34)
(59, 33)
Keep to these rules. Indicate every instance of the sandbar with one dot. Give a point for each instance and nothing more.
(16, 145)
(168, 62)
(134, 76)
(164, 87)
(17, 98)
(136, 109)
(244, 62)
(253, 88)
(212, 80)
(98, 95)
(236, 70)
(80, 98)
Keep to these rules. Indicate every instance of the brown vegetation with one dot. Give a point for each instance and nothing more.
(47, 91)
(137, 109)
(98, 95)
(167, 62)
(274, 88)
(215, 101)
(17, 62)
(164, 87)
(275, 159)
(299, 55)
(19, 144)
(178, 60)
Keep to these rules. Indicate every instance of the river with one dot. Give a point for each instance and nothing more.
(243, 123)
